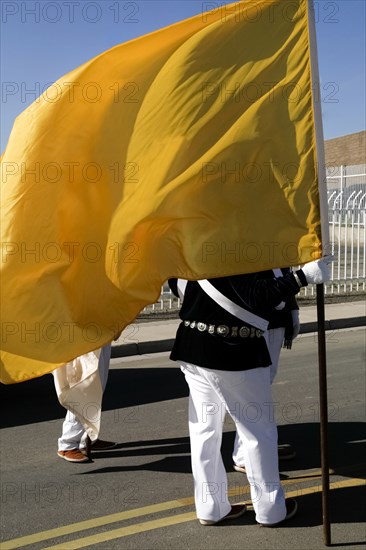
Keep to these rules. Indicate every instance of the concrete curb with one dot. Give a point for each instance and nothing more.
(158, 346)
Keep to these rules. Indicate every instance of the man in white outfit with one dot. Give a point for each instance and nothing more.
(222, 352)
(74, 444)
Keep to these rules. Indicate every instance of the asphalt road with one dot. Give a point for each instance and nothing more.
(139, 495)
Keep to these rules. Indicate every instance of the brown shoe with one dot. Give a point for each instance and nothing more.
(74, 455)
(97, 445)
(236, 511)
(101, 445)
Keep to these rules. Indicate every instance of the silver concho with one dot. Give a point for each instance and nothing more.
(187, 323)
(193, 324)
(211, 329)
(259, 333)
(201, 327)
(223, 330)
(244, 332)
(234, 331)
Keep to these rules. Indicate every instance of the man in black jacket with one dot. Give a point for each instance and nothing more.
(223, 354)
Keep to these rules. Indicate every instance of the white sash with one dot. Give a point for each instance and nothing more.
(181, 285)
(231, 307)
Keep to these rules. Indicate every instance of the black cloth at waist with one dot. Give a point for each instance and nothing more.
(215, 352)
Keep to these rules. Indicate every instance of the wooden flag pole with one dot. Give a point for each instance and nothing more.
(323, 411)
(323, 205)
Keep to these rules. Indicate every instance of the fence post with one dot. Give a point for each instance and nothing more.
(343, 182)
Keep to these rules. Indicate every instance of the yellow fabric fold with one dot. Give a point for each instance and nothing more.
(187, 152)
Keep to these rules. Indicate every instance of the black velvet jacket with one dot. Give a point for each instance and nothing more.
(259, 293)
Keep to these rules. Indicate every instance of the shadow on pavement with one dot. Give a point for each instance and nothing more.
(346, 446)
(346, 451)
(36, 400)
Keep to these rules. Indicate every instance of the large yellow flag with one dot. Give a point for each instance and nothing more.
(188, 152)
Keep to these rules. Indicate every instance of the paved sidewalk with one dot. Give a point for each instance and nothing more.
(154, 336)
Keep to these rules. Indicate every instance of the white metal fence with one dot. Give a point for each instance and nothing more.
(346, 187)
(347, 228)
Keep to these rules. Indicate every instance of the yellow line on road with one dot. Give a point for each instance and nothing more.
(126, 531)
(340, 471)
(149, 525)
(173, 520)
(96, 522)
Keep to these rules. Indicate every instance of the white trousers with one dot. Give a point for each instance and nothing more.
(73, 432)
(246, 395)
(274, 339)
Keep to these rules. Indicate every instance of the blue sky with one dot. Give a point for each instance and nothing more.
(43, 39)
